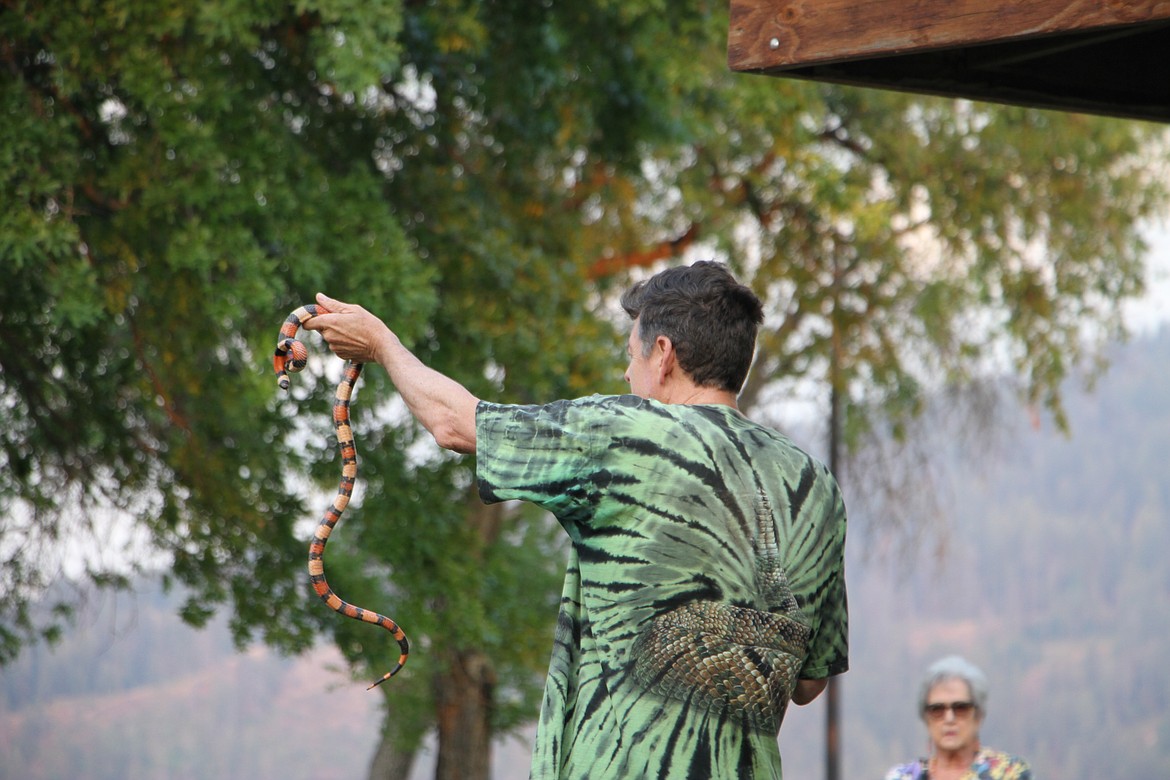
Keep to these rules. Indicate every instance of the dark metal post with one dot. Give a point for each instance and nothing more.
(832, 692)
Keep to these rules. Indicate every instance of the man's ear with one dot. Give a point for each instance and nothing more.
(668, 360)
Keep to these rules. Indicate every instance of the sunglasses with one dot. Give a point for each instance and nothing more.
(938, 711)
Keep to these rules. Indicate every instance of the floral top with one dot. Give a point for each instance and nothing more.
(988, 765)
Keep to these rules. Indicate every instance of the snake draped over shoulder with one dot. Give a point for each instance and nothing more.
(291, 356)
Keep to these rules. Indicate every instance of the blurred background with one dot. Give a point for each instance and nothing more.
(966, 307)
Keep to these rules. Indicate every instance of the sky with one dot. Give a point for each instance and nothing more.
(1153, 309)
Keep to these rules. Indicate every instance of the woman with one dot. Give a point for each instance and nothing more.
(952, 703)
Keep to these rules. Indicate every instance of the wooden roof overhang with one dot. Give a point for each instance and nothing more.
(1105, 57)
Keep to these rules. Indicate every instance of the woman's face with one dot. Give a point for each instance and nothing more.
(952, 729)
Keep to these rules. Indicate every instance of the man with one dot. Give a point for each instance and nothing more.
(705, 588)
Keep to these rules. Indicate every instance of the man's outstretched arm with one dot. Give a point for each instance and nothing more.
(443, 406)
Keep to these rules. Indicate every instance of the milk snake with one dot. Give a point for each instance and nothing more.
(291, 356)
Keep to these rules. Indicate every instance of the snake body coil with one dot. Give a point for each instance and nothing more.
(290, 357)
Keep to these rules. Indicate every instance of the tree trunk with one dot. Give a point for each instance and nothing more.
(390, 763)
(463, 698)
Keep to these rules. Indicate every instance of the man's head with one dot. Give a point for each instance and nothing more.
(710, 319)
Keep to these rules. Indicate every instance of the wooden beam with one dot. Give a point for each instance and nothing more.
(772, 35)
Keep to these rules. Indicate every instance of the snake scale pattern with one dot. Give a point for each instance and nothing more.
(740, 661)
(291, 356)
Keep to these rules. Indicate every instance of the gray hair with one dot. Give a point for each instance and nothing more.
(955, 667)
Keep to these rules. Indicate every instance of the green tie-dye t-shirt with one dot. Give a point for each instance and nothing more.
(706, 577)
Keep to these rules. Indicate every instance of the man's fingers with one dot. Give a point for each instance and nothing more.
(331, 305)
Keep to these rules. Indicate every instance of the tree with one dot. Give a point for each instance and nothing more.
(162, 198)
(177, 178)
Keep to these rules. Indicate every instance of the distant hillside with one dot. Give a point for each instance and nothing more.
(132, 693)
(135, 694)
(1056, 582)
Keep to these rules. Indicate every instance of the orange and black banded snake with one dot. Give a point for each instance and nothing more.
(290, 357)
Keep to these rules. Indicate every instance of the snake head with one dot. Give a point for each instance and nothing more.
(291, 356)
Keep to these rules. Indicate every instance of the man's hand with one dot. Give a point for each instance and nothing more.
(351, 331)
(442, 405)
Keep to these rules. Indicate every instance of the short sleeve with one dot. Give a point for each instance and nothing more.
(829, 650)
(543, 454)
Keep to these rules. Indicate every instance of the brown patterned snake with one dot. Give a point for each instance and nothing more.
(291, 356)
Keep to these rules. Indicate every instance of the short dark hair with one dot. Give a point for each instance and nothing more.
(709, 317)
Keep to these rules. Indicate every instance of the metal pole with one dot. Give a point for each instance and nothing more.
(832, 692)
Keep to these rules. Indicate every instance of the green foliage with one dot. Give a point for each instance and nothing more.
(178, 178)
(164, 207)
(923, 241)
